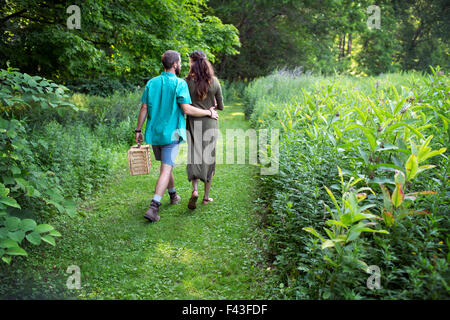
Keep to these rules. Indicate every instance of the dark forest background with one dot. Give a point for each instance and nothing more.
(122, 41)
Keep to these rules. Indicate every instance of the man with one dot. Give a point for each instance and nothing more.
(165, 100)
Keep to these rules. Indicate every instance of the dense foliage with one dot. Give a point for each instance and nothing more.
(53, 153)
(363, 181)
(333, 36)
(117, 40)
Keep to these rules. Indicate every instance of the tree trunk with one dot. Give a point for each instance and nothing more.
(349, 46)
(342, 53)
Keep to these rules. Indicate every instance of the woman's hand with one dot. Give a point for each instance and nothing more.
(214, 114)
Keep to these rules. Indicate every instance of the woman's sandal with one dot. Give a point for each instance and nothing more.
(193, 201)
(205, 201)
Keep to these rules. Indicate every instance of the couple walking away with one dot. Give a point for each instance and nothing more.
(164, 102)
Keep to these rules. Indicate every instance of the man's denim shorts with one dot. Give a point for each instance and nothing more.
(166, 153)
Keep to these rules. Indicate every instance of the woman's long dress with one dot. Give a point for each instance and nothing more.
(202, 133)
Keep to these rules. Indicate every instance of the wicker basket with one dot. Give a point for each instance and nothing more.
(139, 160)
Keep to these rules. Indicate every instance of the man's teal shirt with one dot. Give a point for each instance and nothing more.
(165, 119)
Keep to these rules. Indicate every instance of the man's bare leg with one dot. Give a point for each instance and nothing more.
(165, 178)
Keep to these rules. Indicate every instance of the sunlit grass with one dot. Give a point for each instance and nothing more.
(209, 253)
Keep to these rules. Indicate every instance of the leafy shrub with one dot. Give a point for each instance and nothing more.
(110, 110)
(103, 86)
(372, 128)
(53, 153)
(76, 158)
(25, 97)
(233, 91)
(21, 182)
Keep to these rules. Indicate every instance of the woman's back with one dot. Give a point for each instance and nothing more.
(214, 95)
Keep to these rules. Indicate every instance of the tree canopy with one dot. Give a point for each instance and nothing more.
(333, 35)
(125, 39)
(116, 38)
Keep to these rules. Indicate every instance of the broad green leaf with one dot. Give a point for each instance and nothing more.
(333, 199)
(367, 206)
(360, 216)
(388, 218)
(411, 167)
(353, 234)
(8, 243)
(431, 154)
(3, 191)
(399, 177)
(44, 228)
(15, 170)
(49, 239)
(329, 233)
(17, 236)
(12, 223)
(314, 232)
(7, 259)
(337, 223)
(16, 251)
(327, 244)
(424, 168)
(397, 195)
(388, 167)
(366, 189)
(54, 233)
(363, 155)
(371, 139)
(27, 225)
(10, 202)
(373, 230)
(34, 238)
(424, 149)
(346, 219)
(355, 182)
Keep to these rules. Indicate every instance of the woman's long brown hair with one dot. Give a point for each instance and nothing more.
(201, 72)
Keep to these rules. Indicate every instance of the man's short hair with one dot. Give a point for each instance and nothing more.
(169, 58)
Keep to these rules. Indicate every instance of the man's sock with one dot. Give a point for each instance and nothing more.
(157, 199)
(172, 190)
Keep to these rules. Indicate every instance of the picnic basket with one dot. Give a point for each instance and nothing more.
(139, 160)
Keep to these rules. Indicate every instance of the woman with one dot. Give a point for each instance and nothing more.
(205, 92)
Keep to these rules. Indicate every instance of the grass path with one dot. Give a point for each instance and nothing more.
(209, 253)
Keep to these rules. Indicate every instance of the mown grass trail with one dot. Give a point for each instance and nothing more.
(210, 253)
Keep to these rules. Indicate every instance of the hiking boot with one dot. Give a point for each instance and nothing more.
(174, 198)
(152, 212)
